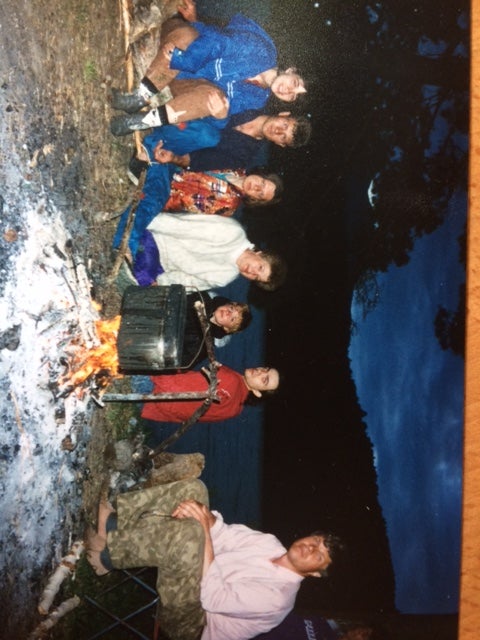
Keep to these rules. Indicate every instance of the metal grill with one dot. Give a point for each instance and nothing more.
(124, 609)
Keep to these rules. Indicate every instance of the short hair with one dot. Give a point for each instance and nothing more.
(277, 181)
(252, 400)
(245, 316)
(305, 81)
(333, 543)
(302, 132)
(278, 271)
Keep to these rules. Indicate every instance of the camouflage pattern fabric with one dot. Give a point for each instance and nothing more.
(147, 536)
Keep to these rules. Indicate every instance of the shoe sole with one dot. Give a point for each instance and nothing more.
(132, 177)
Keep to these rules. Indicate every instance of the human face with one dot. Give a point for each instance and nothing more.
(260, 379)
(287, 86)
(279, 130)
(258, 188)
(309, 556)
(254, 266)
(227, 316)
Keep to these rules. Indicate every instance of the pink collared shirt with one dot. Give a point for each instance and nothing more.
(243, 592)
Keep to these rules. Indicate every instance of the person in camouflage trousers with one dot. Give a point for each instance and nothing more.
(143, 533)
(245, 580)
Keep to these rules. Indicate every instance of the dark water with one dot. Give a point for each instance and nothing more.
(233, 448)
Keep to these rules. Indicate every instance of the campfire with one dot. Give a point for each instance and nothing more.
(93, 367)
(146, 337)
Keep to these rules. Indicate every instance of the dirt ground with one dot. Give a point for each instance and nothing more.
(58, 61)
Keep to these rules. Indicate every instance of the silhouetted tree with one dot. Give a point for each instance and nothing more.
(450, 326)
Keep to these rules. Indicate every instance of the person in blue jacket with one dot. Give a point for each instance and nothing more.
(240, 60)
(242, 144)
(156, 189)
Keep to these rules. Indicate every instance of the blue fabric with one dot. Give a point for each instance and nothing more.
(156, 192)
(147, 266)
(184, 138)
(301, 627)
(141, 384)
(235, 150)
(196, 134)
(214, 56)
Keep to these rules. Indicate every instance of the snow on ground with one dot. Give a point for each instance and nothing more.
(45, 307)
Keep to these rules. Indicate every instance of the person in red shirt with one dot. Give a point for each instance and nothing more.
(233, 390)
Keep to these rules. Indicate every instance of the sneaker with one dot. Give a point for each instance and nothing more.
(135, 169)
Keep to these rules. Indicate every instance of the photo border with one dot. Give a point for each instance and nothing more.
(469, 610)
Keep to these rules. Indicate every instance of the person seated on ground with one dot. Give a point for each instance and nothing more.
(204, 252)
(221, 192)
(225, 318)
(221, 581)
(209, 192)
(234, 390)
(242, 143)
(240, 61)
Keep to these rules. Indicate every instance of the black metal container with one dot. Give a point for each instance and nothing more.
(152, 328)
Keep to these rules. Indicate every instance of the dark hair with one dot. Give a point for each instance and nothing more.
(301, 133)
(273, 177)
(252, 400)
(334, 544)
(305, 81)
(278, 271)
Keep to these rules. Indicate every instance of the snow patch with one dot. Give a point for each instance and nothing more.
(45, 308)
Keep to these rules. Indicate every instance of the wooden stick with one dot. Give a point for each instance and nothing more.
(123, 248)
(127, 11)
(43, 628)
(64, 569)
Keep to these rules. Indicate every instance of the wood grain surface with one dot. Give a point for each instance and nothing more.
(469, 622)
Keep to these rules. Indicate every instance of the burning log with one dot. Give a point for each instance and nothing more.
(99, 362)
(65, 569)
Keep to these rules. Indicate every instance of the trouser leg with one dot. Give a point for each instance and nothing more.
(190, 99)
(146, 537)
(147, 513)
(189, 102)
(180, 34)
(158, 75)
(178, 583)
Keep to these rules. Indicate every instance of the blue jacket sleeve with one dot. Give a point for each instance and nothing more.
(156, 192)
(242, 47)
(184, 138)
(209, 45)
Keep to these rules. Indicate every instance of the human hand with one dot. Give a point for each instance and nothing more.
(197, 511)
(188, 10)
(167, 50)
(217, 105)
(162, 155)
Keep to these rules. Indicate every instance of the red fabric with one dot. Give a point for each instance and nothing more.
(231, 389)
(198, 192)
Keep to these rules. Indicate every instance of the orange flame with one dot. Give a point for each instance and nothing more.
(100, 360)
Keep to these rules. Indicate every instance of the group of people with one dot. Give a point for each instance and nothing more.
(204, 96)
(198, 158)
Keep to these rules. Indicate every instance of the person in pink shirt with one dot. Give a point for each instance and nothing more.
(216, 581)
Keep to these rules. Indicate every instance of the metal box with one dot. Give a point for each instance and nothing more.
(152, 328)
